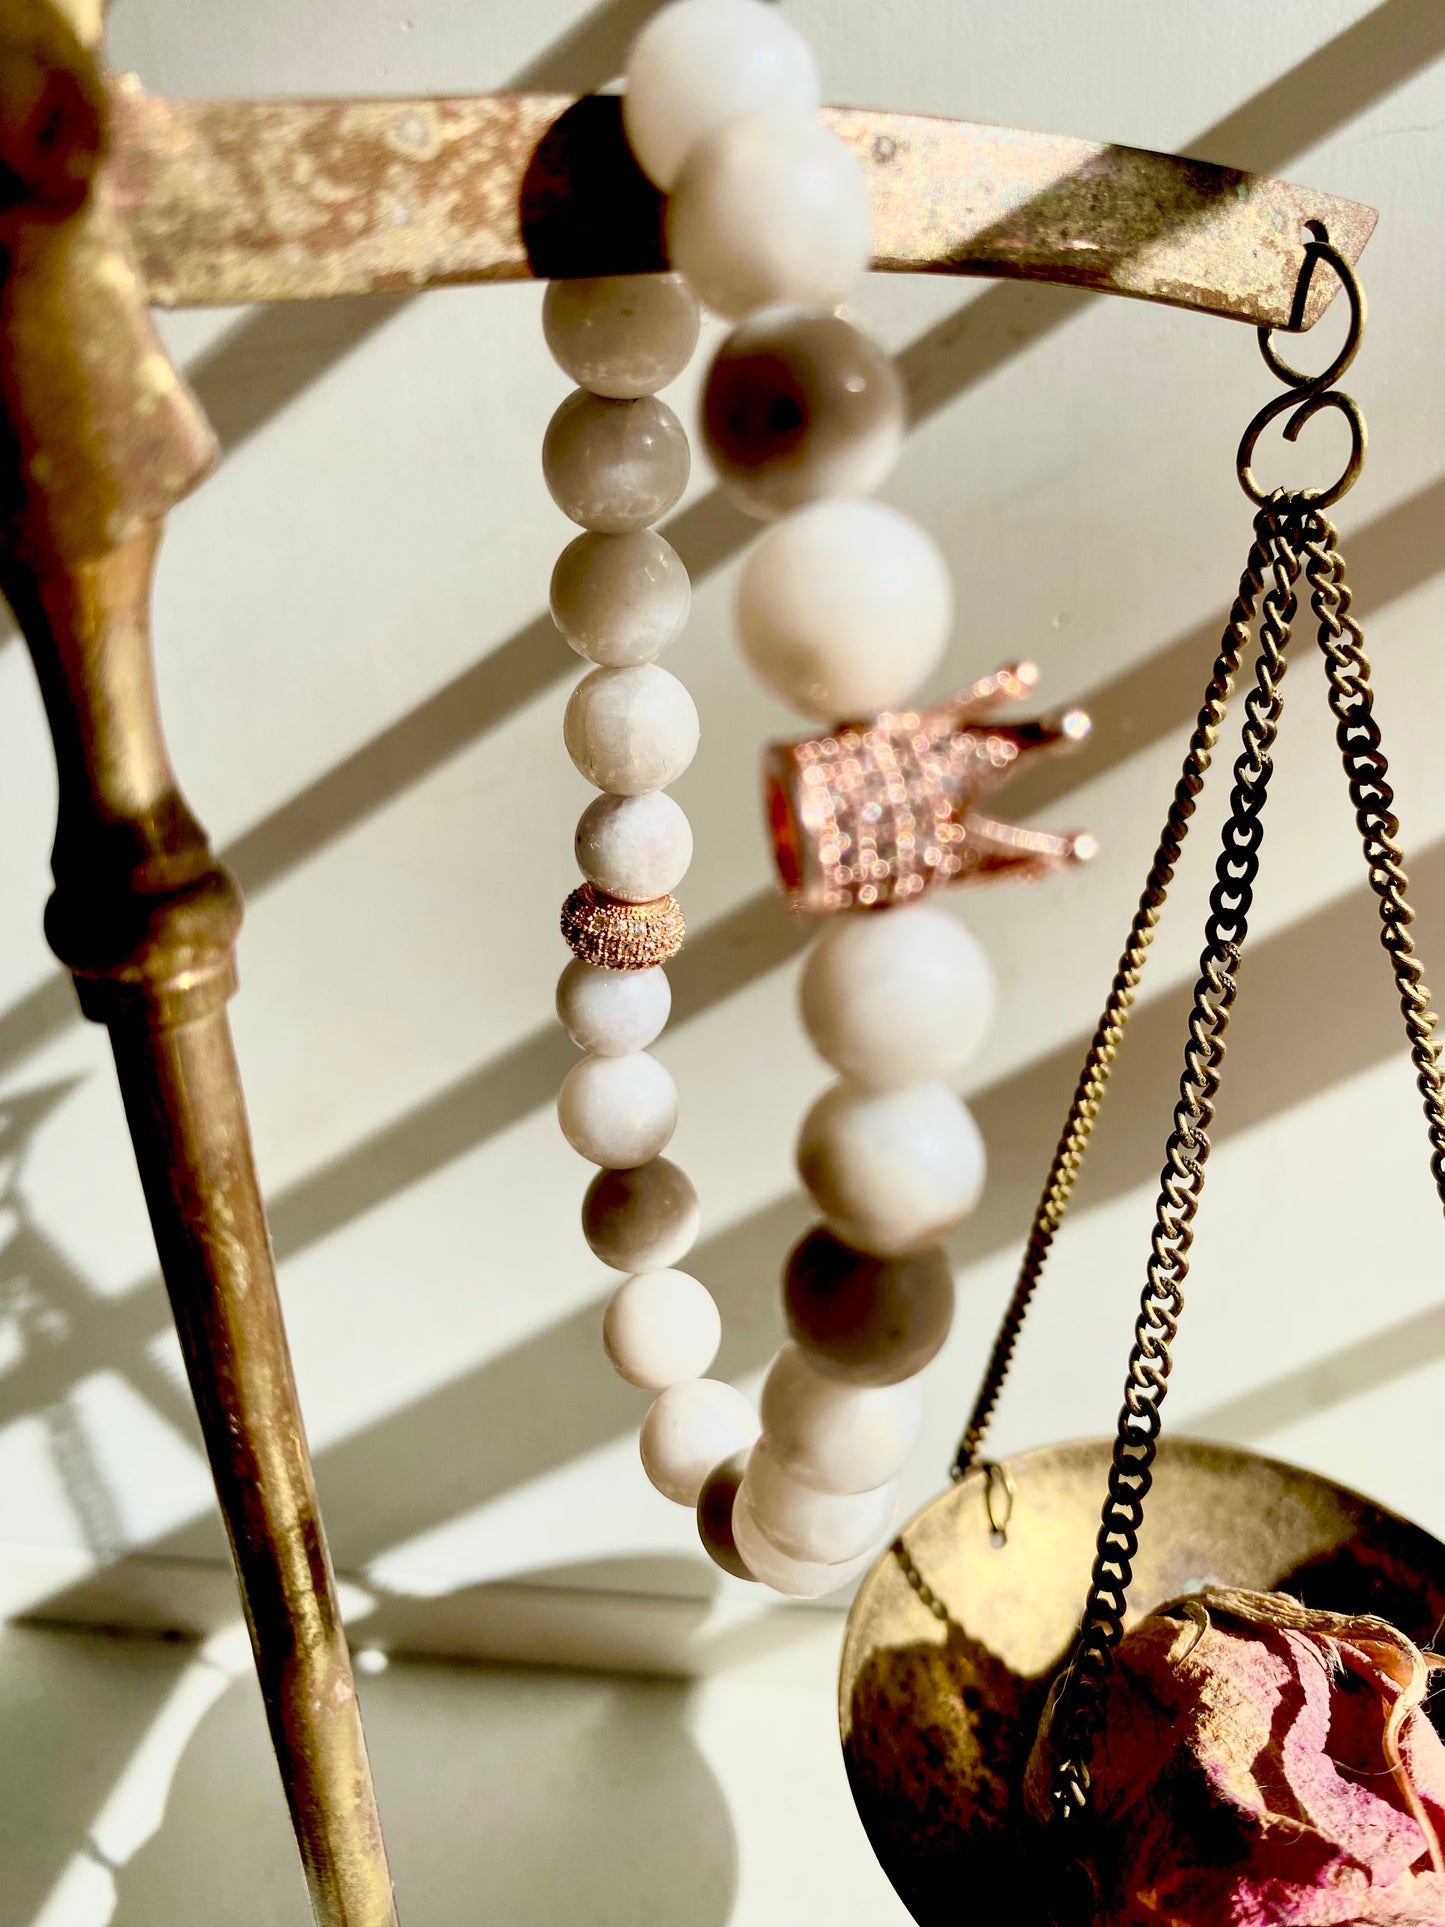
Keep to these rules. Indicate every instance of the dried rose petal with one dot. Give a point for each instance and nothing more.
(1264, 1765)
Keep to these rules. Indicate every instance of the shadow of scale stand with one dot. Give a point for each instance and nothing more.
(111, 202)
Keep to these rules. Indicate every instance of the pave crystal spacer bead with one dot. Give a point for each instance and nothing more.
(622, 936)
(878, 812)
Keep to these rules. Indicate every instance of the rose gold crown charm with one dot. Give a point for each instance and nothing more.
(878, 812)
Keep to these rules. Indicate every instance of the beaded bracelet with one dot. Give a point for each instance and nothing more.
(844, 607)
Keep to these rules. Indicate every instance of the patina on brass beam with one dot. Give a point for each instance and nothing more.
(289, 200)
(98, 438)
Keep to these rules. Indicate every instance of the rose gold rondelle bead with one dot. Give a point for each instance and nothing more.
(622, 936)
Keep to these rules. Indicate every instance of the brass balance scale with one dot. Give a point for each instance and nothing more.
(112, 201)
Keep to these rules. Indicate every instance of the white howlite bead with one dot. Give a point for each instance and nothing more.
(621, 335)
(771, 208)
(620, 599)
(618, 1111)
(691, 1428)
(634, 848)
(891, 1171)
(612, 1012)
(631, 730)
(807, 1524)
(699, 63)
(715, 1515)
(642, 1220)
(837, 1437)
(844, 609)
(897, 998)
(797, 1578)
(614, 466)
(661, 1328)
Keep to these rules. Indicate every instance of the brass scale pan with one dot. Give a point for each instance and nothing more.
(939, 1704)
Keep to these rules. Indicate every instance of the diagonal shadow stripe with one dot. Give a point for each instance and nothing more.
(1391, 556)
(505, 1422)
(1366, 1365)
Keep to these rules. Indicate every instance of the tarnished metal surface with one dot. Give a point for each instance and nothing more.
(951, 1647)
(291, 200)
(98, 438)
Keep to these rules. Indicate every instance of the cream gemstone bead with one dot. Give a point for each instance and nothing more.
(868, 1321)
(826, 1527)
(801, 405)
(891, 1171)
(715, 1515)
(612, 1012)
(618, 1112)
(770, 208)
(620, 599)
(621, 335)
(897, 998)
(691, 1428)
(699, 63)
(796, 1578)
(634, 848)
(631, 730)
(642, 1220)
(844, 609)
(836, 1437)
(614, 466)
(661, 1328)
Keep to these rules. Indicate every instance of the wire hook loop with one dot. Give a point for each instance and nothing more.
(1309, 395)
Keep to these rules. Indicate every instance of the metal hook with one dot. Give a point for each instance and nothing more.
(1310, 395)
(998, 1500)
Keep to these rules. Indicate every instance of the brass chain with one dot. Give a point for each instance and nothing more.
(1358, 735)
(1305, 397)
(1098, 1065)
(1081, 1704)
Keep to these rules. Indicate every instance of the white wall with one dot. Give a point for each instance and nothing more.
(364, 696)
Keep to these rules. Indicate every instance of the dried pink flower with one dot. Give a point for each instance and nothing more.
(1265, 1765)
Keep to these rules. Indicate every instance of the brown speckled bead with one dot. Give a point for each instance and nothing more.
(799, 405)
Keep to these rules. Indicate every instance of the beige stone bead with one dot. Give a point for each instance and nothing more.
(618, 1112)
(631, 730)
(839, 1438)
(620, 599)
(691, 1428)
(612, 1012)
(868, 1321)
(897, 998)
(844, 609)
(642, 1220)
(770, 208)
(891, 1171)
(614, 466)
(795, 1578)
(634, 848)
(661, 1328)
(801, 405)
(804, 1523)
(621, 335)
(699, 63)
